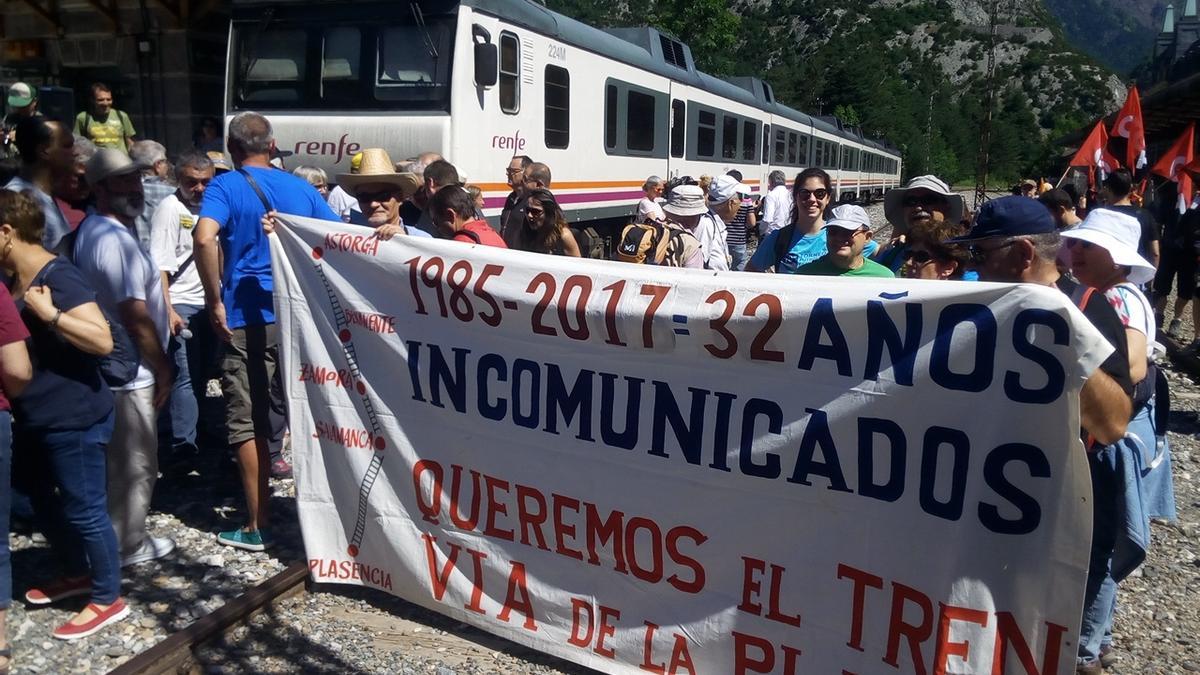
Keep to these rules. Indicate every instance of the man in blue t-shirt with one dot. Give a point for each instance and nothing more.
(240, 305)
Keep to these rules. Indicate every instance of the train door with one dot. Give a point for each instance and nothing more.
(678, 130)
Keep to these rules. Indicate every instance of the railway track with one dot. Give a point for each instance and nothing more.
(176, 654)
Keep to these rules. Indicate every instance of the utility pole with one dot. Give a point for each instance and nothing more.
(929, 135)
(985, 127)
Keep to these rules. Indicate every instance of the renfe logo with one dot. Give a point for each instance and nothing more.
(514, 142)
(328, 148)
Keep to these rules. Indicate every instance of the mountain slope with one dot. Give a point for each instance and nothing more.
(1118, 33)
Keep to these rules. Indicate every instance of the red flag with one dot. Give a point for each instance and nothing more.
(1171, 165)
(1129, 125)
(1093, 153)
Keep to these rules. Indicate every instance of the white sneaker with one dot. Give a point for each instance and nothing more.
(152, 548)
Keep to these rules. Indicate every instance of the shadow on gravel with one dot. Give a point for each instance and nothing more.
(1184, 422)
(403, 609)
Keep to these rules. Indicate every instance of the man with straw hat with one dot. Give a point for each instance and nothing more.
(380, 190)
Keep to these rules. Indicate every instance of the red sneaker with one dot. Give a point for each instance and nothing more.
(111, 614)
(59, 589)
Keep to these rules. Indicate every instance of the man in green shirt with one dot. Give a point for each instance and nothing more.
(104, 125)
(847, 231)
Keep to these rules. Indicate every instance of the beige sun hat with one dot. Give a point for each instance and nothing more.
(377, 167)
(893, 200)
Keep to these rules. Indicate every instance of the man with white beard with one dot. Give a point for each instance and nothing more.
(129, 288)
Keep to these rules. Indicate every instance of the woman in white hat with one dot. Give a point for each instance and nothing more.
(1104, 255)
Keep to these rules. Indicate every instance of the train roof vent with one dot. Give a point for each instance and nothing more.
(768, 92)
(673, 52)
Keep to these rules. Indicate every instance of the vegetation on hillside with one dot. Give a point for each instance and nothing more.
(909, 73)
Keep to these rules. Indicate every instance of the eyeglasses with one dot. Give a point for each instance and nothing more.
(819, 193)
(512, 172)
(381, 197)
(979, 254)
(535, 212)
(923, 200)
(918, 257)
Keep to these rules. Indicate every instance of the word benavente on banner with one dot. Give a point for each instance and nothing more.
(678, 471)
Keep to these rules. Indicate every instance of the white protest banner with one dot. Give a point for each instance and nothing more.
(677, 471)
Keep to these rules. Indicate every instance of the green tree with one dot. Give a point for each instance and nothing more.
(707, 26)
(848, 115)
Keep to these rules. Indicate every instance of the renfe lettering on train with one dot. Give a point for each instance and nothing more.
(346, 570)
(337, 150)
(352, 243)
(514, 142)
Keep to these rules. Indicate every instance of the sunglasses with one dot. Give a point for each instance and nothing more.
(368, 197)
(923, 200)
(819, 193)
(1087, 245)
(535, 212)
(918, 257)
(511, 171)
(979, 254)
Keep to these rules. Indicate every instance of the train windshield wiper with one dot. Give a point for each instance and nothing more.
(251, 57)
(419, 19)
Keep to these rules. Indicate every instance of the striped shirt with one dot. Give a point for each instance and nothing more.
(737, 227)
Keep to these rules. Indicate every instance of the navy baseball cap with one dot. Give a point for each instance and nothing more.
(1012, 216)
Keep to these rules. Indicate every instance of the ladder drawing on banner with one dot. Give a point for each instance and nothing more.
(345, 338)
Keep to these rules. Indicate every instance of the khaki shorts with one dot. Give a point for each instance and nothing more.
(250, 383)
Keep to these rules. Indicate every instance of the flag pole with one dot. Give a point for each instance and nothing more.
(1063, 176)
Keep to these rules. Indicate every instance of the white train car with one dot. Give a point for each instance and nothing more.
(480, 81)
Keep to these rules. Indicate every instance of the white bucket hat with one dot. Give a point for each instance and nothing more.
(686, 200)
(1118, 234)
(893, 200)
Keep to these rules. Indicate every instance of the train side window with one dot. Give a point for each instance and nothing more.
(558, 107)
(749, 140)
(831, 156)
(766, 146)
(780, 144)
(510, 73)
(610, 117)
(678, 127)
(706, 134)
(793, 141)
(802, 152)
(729, 137)
(340, 60)
(640, 119)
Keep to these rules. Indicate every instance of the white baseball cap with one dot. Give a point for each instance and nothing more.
(848, 217)
(725, 188)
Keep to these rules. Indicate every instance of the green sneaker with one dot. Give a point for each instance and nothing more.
(250, 540)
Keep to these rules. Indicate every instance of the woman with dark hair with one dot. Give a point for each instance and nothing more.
(802, 240)
(544, 229)
(928, 257)
(64, 420)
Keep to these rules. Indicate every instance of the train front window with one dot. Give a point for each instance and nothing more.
(294, 63)
(274, 71)
(412, 66)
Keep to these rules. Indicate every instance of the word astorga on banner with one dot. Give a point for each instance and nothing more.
(677, 471)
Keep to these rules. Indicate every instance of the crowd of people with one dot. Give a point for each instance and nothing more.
(119, 263)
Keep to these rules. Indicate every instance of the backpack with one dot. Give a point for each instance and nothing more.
(120, 366)
(783, 243)
(651, 243)
(591, 244)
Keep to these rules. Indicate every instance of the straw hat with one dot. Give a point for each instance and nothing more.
(1117, 233)
(376, 167)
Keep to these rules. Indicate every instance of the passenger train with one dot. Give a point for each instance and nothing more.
(480, 81)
